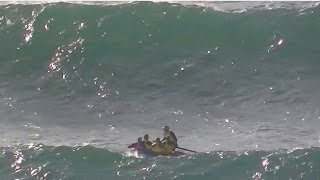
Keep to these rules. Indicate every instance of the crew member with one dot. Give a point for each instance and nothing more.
(146, 142)
(157, 147)
(138, 145)
(172, 136)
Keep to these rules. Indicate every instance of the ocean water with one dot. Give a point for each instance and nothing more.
(237, 82)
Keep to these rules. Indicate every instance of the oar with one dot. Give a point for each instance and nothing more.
(187, 149)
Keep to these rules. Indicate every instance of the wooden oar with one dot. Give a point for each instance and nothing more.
(187, 149)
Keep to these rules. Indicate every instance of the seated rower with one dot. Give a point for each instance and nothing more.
(146, 142)
(138, 145)
(157, 147)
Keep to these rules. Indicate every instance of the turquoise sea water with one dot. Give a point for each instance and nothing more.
(236, 81)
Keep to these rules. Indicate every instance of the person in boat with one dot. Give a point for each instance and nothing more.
(157, 147)
(165, 148)
(146, 142)
(171, 135)
(138, 145)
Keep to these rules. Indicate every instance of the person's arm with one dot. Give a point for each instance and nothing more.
(164, 138)
(152, 147)
(132, 145)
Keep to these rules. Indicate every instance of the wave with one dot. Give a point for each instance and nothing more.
(233, 7)
(148, 64)
(38, 161)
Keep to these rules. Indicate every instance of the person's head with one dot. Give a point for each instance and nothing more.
(158, 141)
(166, 129)
(146, 137)
(140, 139)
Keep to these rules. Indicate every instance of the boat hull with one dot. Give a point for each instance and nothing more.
(142, 153)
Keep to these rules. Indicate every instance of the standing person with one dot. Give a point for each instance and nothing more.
(173, 138)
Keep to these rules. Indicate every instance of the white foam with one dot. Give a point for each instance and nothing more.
(224, 6)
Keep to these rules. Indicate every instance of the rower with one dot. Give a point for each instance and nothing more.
(172, 136)
(138, 145)
(146, 142)
(157, 147)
